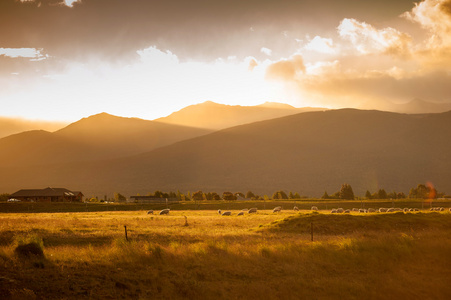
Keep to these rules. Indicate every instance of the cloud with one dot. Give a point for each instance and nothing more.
(286, 69)
(321, 45)
(68, 3)
(368, 40)
(266, 51)
(33, 53)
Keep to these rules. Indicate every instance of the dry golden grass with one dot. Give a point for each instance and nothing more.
(258, 256)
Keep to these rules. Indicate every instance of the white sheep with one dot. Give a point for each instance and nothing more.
(405, 209)
(150, 212)
(226, 213)
(450, 209)
(219, 211)
(252, 210)
(340, 210)
(348, 211)
(355, 209)
(371, 210)
(241, 213)
(314, 208)
(382, 209)
(334, 211)
(295, 208)
(362, 210)
(165, 211)
(391, 209)
(277, 209)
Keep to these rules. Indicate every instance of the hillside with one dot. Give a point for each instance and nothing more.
(216, 116)
(9, 126)
(97, 137)
(306, 153)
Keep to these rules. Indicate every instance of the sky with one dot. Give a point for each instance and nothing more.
(65, 60)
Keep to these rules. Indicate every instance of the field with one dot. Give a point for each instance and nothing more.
(198, 254)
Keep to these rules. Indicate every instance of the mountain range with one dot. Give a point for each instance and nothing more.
(305, 152)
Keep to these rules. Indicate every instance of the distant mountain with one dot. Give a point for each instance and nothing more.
(101, 136)
(418, 106)
(216, 116)
(10, 126)
(307, 153)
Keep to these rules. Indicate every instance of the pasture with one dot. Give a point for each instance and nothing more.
(208, 256)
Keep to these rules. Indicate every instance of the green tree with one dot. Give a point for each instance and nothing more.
(325, 195)
(368, 195)
(346, 192)
(4, 197)
(382, 194)
(280, 195)
(297, 196)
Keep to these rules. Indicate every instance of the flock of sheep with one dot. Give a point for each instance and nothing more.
(314, 208)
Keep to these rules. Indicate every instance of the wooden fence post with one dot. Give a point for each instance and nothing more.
(126, 238)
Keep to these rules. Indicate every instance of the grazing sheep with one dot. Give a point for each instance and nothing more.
(241, 213)
(416, 209)
(277, 209)
(165, 211)
(226, 213)
(371, 210)
(405, 209)
(219, 211)
(150, 212)
(252, 210)
(295, 208)
(348, 211)
(450, 209)
(314, 208)
(442, 209)
(340, 210)
(355, 209)
(334, 211)
(362, 210)
(390, 209)
(382, 209)
(398, 209)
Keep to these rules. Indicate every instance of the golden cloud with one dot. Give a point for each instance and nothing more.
(286, 69)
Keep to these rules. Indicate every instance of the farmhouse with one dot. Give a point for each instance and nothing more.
(48, 195)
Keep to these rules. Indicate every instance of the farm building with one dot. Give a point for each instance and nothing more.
(48, 195)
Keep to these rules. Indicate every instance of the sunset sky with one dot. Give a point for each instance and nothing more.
(65, 60)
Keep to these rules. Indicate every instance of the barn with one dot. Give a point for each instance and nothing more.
(48, 195)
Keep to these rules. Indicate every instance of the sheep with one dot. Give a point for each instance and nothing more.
(355, 209)
(371, 210)
(219, 211)
(150, 212)
(252, 210)
(382, 209)
(277, 209)
(340, 210)
(314, 208)
(226, 213)
(442, 209)
(450, 209)
(416, 209)
(390, 209)
(241, 213)
(405, 209)
(165, 211)
(334, 211)
(295, 208)
(362, 210)
(348, 211)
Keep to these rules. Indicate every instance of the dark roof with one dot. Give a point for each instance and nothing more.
(47, 192)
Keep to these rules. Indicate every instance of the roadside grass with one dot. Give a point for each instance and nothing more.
(258, 256)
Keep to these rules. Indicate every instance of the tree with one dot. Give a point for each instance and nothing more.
(346, 192)
(119, 197)
(325, 195)
(198, 195)
(368, 195)
(250, 195)
(4, 197)
(297, 196)
(280, 195)
(228, 196)
(382, 194)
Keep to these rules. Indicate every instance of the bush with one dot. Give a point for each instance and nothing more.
(29, 250)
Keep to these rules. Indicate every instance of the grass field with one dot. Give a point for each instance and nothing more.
(208, 256)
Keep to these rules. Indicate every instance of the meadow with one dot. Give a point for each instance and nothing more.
(198, 254)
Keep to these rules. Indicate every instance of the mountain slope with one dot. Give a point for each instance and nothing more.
(307, 153)
(9, 126)
(219, 116)
(100, 136)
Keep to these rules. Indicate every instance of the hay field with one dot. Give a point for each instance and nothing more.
(208, 256)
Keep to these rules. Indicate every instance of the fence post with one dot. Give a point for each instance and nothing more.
(126, 238)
